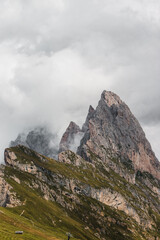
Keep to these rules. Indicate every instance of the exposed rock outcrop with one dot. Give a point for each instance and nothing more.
(70, 158)
(89, 116)
(71, 138)
(113, 129)
(4, 189)
(40, 139)
(8, 197)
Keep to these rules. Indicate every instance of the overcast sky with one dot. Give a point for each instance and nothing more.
(57, 56)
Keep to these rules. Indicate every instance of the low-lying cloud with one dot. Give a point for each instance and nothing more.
(57, 57)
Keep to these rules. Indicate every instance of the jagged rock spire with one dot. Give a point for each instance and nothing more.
(114, 128)
(39, 139)
(71, 138)
(90, 113)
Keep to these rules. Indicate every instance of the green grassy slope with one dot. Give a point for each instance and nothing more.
(44, 219)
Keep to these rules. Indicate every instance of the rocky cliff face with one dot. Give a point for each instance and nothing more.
(74, 134)
(8, 197)
(113, 132)
(71, 138)
(89, 116)
(39, 139)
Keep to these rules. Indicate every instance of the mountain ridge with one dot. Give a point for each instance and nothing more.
(113, 127)
(103, 191)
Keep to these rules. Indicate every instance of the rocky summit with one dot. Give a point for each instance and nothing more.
(39, 139)
(112, 130)
(71, 138)
(105, 184)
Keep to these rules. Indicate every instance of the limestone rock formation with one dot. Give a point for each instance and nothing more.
(71, 138)
(113, 132)
(8, 197)
(90, 114)
(73, 134)
(39, 139)
(70, 157)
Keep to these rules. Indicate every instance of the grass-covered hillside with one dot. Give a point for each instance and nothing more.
(46, 199)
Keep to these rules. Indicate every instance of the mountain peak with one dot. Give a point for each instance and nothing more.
(112, 131)
(91, 109)
(111, 98)
(71, 138)
(90, 113)
(74, 126)
(39, 139)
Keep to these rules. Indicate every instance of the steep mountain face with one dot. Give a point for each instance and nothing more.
(113, 132)
(108, 190)
(39, 139)
(90, 114)
(71, 138)
(73, 134)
